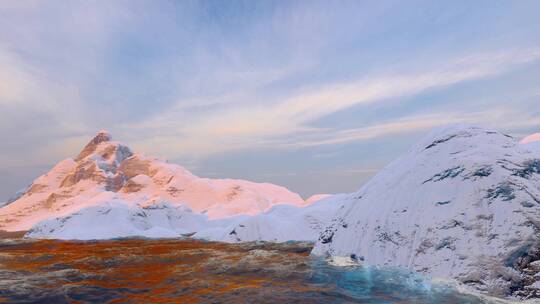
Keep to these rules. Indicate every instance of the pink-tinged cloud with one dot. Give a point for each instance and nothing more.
(531, 138)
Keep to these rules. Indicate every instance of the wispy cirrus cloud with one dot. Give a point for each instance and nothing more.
(278, 122)
(198, 81)
(502, 117)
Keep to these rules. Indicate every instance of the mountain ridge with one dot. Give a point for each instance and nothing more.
(104, 165)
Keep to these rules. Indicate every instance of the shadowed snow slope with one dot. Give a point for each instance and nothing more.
(106, 170)
(280, 224)
(463, 204)
(116, 219)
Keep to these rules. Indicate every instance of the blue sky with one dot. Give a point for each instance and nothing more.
(316, 96)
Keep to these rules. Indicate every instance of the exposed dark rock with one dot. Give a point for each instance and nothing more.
(386, 237)
(115, 183)
(503, 190)
(141, 214)
(448, 173)
(452, 224)
(528, 168)
(235, 191)
(447, 242)
(102, 136)
(527, 204)
(85, 171)
(483, 172)
(326, 236)
(440, 141)
(526, 261)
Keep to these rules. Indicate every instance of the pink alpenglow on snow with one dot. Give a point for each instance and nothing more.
(316, 197)
(531, 138)
(106, 170)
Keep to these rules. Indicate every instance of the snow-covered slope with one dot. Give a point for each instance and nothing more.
(463, 204)
(316, 197)
(280, 224)
(115, 218)
(105, 167)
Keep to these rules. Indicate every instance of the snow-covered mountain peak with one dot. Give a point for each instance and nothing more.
(461, 137)
(463, 204)
(100, 137)
(461, 150)
(108, 167)
(101, 147)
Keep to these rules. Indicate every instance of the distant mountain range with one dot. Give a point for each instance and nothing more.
(462, 204)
